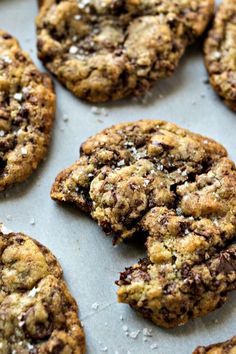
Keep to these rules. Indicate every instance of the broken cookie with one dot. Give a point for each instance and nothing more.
(178, 188)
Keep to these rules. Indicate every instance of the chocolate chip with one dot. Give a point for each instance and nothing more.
(227, 262)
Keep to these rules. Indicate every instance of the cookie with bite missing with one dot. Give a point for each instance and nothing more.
(220, 53)
(37, 312)
(107, 50)
(27, 109)
(155, 179)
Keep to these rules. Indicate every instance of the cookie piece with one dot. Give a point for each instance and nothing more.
(37, 312)
(107, 50)
(220, 53)
(27, 108)
(228, 347)
(171, 295)
(178, 188)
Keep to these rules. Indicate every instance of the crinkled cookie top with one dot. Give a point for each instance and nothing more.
(106, 50)
(37, 312)
(27, 108)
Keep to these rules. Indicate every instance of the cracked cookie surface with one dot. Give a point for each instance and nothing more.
(27, 108)
(110, 49)
(37, 312)
(228, 347)
(220, 53)
(178, 188)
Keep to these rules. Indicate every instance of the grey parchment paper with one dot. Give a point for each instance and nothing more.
(91, 264)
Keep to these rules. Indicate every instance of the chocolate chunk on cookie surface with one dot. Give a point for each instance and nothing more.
(228, 347)
(109, 49)
(220, 53)
(176, 187)
(37, 312)
(27, 108)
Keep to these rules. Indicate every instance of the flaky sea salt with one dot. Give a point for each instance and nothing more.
(178, 211)
(95, 306)
(32, 221)
(104, 111)
(121, 163)
(125, 328)
(6, 59)
(215, 55)
(147, 332)
(18, 96)
(153, 346)
(95, 110)
(30, 346)
(33, 292)
(26, 89)
(134, 334)
(77, 17)
(73, 49)
(2, 133)
(4, 229)
(24, 151)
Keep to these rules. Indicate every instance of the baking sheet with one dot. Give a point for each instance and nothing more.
(91, 264)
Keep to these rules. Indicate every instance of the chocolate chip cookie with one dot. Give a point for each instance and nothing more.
(178, 189)
(37, 312)
(220, 53)
(109, 49)
(228, 347)
(27, 108)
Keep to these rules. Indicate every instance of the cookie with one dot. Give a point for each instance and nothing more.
(220, 53)
(228, 347)
(37, 312)
(155, 179)
(110, 49)
(27, 108)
